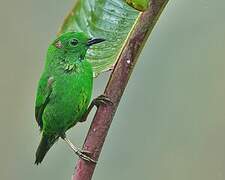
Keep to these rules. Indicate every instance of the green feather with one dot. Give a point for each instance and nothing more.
(64, 89)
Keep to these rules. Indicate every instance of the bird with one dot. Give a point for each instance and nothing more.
(64, 91)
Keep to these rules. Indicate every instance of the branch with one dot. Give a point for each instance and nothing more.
(116, 86)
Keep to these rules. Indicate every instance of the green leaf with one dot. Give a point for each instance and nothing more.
(140, 5)
(109, 19)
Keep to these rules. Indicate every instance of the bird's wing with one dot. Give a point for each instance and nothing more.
(43, 97)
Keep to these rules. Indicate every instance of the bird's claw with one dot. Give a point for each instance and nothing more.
(102, 100)
(83, 154)
(86, 152)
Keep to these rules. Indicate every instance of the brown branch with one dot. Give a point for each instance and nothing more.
(116, 86)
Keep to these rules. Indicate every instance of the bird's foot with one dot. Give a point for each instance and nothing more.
(83, 154)
(86, 152)
(102, 100)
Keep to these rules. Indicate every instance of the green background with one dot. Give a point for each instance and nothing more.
(171, 120)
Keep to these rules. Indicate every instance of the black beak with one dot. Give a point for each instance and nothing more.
(94, 41)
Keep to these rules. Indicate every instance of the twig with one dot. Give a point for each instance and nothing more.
(116, 86)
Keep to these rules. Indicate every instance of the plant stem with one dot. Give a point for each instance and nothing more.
(116, 86)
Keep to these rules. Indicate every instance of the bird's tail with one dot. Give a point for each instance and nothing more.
(46, 143)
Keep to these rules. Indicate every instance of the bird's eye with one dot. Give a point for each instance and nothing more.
(73, 42)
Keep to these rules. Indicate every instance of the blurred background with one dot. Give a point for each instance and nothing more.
(171, 120)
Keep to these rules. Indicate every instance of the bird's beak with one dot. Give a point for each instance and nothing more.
(94, 41)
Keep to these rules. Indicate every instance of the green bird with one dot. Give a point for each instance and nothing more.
(64, 91)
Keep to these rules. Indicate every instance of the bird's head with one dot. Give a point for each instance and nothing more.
(74, 43)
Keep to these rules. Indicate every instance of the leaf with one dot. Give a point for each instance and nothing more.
(140, 5)
(109, 19)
